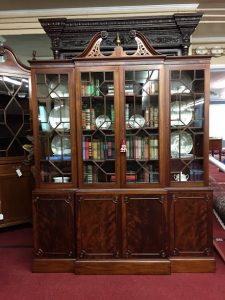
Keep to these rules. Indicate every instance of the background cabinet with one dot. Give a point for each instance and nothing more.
(135, 159)
(15, 126)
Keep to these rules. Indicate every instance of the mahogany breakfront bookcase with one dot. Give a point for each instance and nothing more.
(121, 156)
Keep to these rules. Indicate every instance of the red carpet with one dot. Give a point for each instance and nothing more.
(23, 239)
(18, 283)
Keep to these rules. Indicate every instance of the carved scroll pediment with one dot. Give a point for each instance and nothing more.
(93, 50)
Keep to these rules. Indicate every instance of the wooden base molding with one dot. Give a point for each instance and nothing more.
(123, 267)
(193, 265)
(53, 266)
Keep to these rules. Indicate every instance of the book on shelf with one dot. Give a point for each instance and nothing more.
(88, 173)
(151, 115)
(58, 157)
(130, 177)
(88, 119)
(112, 113)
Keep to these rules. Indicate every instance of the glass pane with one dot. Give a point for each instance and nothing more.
(54, 127)
(14, 115)
(187, 123)
(98, 135)
(142, 126)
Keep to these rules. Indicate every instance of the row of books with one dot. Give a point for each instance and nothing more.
(147, 175)
(90, 88)
(142, 147)
(138, 147)
(97, 149)
(89, 117)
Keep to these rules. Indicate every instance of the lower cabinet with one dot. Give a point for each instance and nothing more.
(103, 232)
(53, 222)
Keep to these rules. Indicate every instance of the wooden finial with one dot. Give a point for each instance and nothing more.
(34, 53)
(118, 41)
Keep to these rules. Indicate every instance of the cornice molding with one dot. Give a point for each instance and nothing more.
(15, 22)
(107, 10)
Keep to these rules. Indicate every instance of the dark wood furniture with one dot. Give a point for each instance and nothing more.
(15, 124)
(215, 145)
(169, 34)
(121, 147)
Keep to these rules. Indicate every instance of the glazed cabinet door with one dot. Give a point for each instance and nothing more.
(141, 133)
(98, 119)
(189, 90)
(53, 114)
(98, 226)
(145, 232)
(53, 215)
(191, 223)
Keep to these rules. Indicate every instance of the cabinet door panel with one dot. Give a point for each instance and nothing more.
(53, 225)
(98, 226)
(191, 232)
(144, 225)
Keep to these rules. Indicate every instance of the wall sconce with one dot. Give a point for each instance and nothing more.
(214, 51)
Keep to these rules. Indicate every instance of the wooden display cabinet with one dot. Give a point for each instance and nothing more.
(126, 136)
(16, 180)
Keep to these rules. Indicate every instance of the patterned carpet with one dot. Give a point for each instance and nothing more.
(217, 182)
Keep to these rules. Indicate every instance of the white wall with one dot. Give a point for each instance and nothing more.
(217, 121)
(217, 102)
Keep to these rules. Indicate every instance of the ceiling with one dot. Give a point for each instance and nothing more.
(21, 29)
